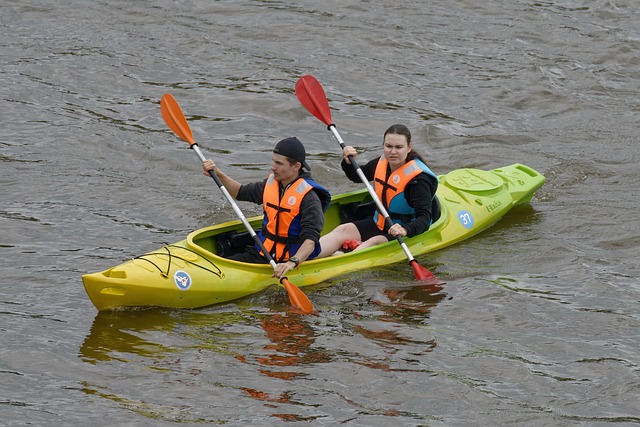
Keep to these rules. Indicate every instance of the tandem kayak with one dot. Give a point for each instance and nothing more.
(194, 272)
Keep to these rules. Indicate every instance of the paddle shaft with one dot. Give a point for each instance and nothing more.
(372, 192)
(236, 208)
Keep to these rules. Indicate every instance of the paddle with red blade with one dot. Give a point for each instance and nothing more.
(174, 118)
(311, 95)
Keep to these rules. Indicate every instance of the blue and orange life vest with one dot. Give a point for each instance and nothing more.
(390, 190)
(281, 224)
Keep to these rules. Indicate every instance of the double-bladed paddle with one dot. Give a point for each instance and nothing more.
(311, 95)
(174, 118)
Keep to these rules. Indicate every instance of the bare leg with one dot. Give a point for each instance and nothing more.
(375, 240)
(331, 242)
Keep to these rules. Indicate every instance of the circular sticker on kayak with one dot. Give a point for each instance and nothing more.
(465, 218)
(182, 280)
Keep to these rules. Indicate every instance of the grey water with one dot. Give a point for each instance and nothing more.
(538, 323)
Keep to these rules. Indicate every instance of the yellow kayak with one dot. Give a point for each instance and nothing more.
(194, 272)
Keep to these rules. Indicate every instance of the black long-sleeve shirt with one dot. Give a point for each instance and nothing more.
(418, 193)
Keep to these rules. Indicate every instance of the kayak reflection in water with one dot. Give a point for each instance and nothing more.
(405, 186)
(293, 204)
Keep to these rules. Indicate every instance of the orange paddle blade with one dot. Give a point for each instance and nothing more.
(311, 95)
(174, 118)
(297, 297)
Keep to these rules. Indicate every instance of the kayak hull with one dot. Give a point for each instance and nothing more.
(193, 273)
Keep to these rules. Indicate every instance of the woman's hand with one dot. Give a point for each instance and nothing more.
(397, 230)
(347, 152)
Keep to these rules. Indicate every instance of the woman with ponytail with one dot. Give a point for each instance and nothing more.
(404, 184)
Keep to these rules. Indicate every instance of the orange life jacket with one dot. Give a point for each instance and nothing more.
(390, 190)
(281, 224)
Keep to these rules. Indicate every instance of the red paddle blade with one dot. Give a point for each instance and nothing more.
(174, 118)
(297, 297)
(424, 275)
(311, 95)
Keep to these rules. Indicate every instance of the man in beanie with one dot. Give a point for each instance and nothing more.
(293, 205)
